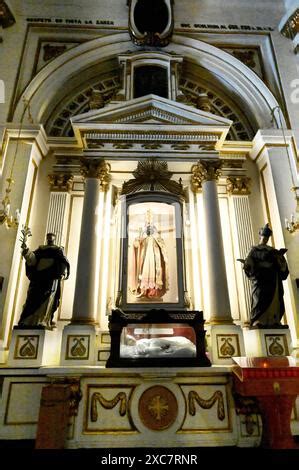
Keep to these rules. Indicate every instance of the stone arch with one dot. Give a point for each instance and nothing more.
(83, 63)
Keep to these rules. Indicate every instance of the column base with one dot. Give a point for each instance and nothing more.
(267, 342)
(83, 321)
(34, 347)
(78, 345)
(226, 342)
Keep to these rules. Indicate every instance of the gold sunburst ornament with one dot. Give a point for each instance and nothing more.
(152, 175)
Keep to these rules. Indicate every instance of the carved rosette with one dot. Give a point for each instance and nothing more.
(204, 170)
(238, 185)
(97, 169)
(60, 182)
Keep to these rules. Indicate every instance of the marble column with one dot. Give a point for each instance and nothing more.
(204, 177)
(96, 173)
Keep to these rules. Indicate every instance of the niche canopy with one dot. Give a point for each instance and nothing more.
(151, 22)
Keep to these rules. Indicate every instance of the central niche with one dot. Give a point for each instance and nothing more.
(152, 252)
(150, 79)
(152, 258)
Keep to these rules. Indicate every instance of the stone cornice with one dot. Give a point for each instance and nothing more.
(28, 132)
(165, 135)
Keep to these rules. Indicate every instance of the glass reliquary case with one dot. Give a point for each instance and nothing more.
(157, 338)
(151, 325)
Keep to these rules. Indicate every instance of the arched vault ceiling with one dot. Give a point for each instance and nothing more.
(193, 82)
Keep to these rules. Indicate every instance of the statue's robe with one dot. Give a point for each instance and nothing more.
(44, 268)
(149, 275)
(266, 267)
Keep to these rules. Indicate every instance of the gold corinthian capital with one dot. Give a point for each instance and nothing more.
(95, 168)
(60, 182)
(238, 185)
(204, 170)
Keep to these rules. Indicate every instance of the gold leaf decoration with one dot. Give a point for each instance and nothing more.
(107, 404)
(152, 175)
(193, 398)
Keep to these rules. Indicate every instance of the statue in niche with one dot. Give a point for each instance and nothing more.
(45, 268)
(266, 268)
(149, 278)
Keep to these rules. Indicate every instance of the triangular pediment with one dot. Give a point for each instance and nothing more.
(151, 110)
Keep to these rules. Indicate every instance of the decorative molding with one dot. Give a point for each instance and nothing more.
(248, 407)
(153, 112)
(238, 185)
(276, 345)
(227, 349)
(51, 51)
(26, 347)
(291, 27)
(122, 145)
(152, 175)
(81, 102)
(249, 56)
(196, 179)
(60, 182)
(158, 408)
(161, 136)
(151, 146)
(77, 347)
(195, 94)
(97, 397)
(193, 398)
(228, 345)
(94, 168)
(97, 100)
(204, 170)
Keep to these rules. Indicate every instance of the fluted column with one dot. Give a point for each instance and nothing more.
(238, 188)
(204, 177)
(96, 173)
(60, 186)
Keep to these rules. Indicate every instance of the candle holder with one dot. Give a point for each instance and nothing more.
(12, 221)
(292, 225)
